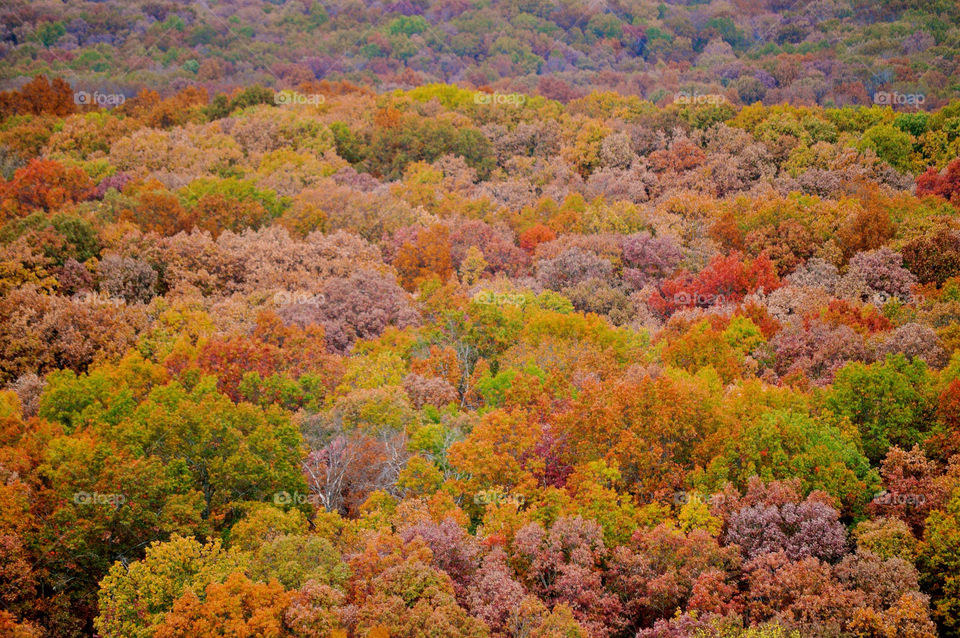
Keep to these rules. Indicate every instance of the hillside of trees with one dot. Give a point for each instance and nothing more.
(827, 52)
(480, 319)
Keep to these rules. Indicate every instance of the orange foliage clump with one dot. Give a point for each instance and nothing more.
(43, 185)
(427, 256)
(538, 234)
(39, 96)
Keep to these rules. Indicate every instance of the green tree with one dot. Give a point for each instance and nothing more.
(784, 444)
(891, 402)
(890, 143)
(134, 598)
(940, 565)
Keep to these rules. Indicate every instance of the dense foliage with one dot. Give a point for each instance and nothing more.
(422, 363)
(828, 52)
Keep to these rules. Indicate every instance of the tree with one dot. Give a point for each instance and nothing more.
(726, 279)
(945, 184)
(429, 256)
(940, 563)
(913, 486)
(395, 588)
(891, 402)
(237, 608)
(231, 358)
(815, 351)
(562, 565)
(157, 210)
(663, 570)
(43, 185)
(222, 452)
(40, 332)
(808, 527)
(134, 600)
(127, 278)
(361, 306)
(782, 444)
(455, 552)
(890, 144)
(494, 594)
(887, 538)
(572, 267)
(294, 560)
(315, 612)
(881, 273)
(399, 140)
(801, 595)
(39, 96)
(649, 258)
(673, 413)
(934, 256)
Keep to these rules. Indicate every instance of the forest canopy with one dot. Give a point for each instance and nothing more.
(479, 320)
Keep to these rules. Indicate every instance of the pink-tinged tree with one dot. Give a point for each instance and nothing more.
(361, 306)
(914, 340)
(342, 473)
(804, 528)
(913, 485)
(815, 352)
(494, 593)
(126, 278)
(878, 274)
(799, 594)
(935, 256)
(883, 581)
(315, 611)
(454, 550)
(648, 259)
(860, 592)
(495, 242)
(572, 267)
(663, 570)
(563, 565)
(429, 391)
